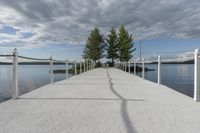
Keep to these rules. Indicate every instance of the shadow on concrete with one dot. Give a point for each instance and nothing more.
(87, 99)
(124, 112)
(85, 83)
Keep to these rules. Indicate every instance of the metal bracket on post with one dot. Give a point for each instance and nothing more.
(159, 72)
(67, 74)
(51, 70)
(134, 67)
(129, 67)
(75, 65)
(143, 68)
(80, 67)
(15, 92)
(197, 75)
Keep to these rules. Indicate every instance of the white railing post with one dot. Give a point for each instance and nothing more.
(87, 65)
(197, 75)
(159, 72)
(134, 67)
(143, 68)
(125, 66)
(80, 67)
(94, 65)
(15, 92)
(129, 67)
(75, 69)
(51, 70)
(91, 65)
(67, 74)
(84, 65)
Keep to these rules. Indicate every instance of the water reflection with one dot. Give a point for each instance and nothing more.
(30, 78)
(179, 77)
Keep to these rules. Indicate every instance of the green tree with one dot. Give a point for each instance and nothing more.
(111, 46)
(94, 47)
(125, 44)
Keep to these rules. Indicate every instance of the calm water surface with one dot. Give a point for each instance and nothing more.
(178, 77)
(30, 78)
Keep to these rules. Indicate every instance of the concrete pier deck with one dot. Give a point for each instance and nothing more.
(101, 101)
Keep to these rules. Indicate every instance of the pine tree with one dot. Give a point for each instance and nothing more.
(125, 44)
(111, 46)
(94, 47)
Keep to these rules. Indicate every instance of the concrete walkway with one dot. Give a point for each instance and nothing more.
(101, 101)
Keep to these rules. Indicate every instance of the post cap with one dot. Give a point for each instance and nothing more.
(15, 50)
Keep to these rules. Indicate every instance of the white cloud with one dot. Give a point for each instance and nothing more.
(70, 21)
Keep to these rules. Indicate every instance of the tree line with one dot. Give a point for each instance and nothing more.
(117, 45)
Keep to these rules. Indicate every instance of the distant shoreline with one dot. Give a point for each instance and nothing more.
(33, 63)
(57, 63)
(175, 62)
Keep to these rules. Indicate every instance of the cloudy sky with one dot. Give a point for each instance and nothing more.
(40, 28)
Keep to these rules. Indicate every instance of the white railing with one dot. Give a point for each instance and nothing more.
(87, 65)
(197, 75)
(159, 61)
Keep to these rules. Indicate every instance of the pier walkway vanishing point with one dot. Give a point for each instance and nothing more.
(103, 100)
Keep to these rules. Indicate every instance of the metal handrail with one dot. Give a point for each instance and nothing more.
(194, 57)
(15, 64)
(30, 58)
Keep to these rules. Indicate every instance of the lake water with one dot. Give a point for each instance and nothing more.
(180, 77)
(30, 78)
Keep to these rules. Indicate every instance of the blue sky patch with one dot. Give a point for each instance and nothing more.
(25, 35)
(8, 30)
